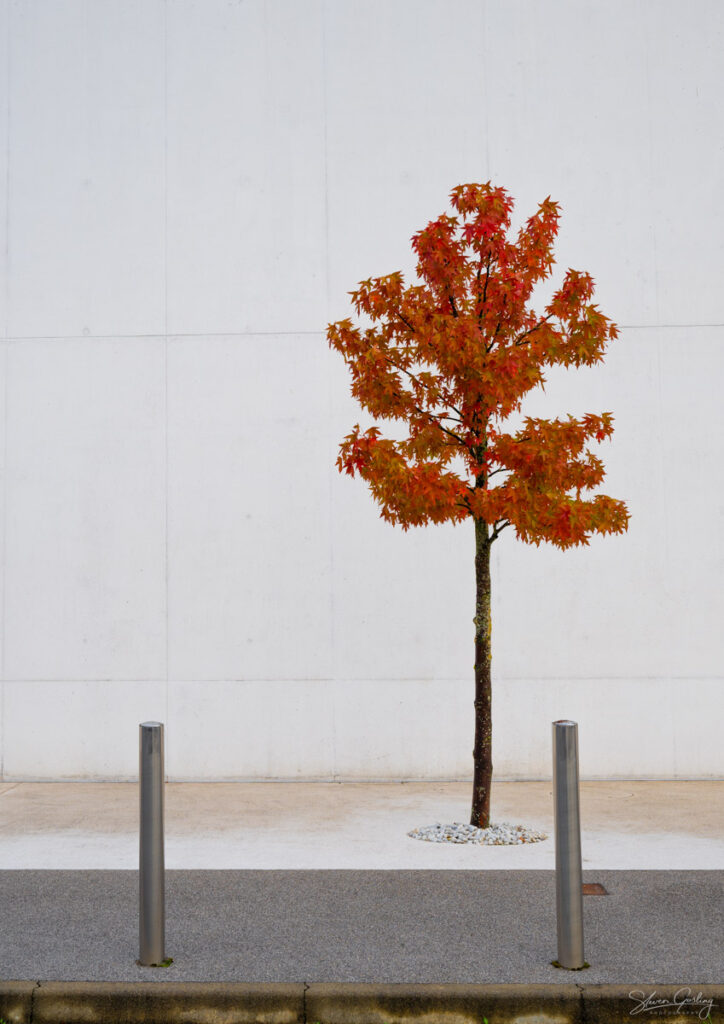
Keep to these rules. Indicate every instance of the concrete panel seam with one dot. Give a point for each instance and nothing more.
(201, 334)
(584, 1015)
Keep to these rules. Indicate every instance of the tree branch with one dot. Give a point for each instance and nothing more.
(499, 529)
(484, 290)
(489, 348)
(405, 321)
(433, 417)
(477, 282)
(421, 385)
(519, 339)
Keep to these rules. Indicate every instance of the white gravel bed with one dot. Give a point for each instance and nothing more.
(502, 834)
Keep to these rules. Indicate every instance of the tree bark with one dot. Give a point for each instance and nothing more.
(482, 750)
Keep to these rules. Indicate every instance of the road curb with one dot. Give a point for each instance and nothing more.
(16, 1001)
(77, 1002)
(508, 1004)
(443, 1004)
(54, 1002)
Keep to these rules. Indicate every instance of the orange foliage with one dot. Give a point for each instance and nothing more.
(454, 356)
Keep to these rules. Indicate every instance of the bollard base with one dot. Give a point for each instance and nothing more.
(584, 965)
(164, 963)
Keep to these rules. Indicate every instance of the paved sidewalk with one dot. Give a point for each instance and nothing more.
(359, 826)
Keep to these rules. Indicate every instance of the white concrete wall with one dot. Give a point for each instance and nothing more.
(189, 191)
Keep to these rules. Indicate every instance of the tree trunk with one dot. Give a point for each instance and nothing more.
(482, 750)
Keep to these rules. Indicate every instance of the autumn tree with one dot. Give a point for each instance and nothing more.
(453, 357)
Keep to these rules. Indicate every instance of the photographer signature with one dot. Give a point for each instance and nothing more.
(682, 999)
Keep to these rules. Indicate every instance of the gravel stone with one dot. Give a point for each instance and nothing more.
(502, 834)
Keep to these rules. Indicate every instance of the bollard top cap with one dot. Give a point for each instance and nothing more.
(151, 725)
(565, 721)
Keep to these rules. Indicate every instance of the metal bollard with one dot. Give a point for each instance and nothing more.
(151, 931)
(569, 880)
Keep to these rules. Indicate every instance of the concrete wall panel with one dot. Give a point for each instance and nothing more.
(86, 167)
(253, 729)
(246, 180)
(569, 116)
(85, 588)
(406, 121)
(78, 730)
(249, 526)
(628, 728)
(4, 191)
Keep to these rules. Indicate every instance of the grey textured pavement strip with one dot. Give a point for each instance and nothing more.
(442, 927)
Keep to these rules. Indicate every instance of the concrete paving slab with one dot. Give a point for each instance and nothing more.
(355, 826)
(80, 1003)
(381, 927)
